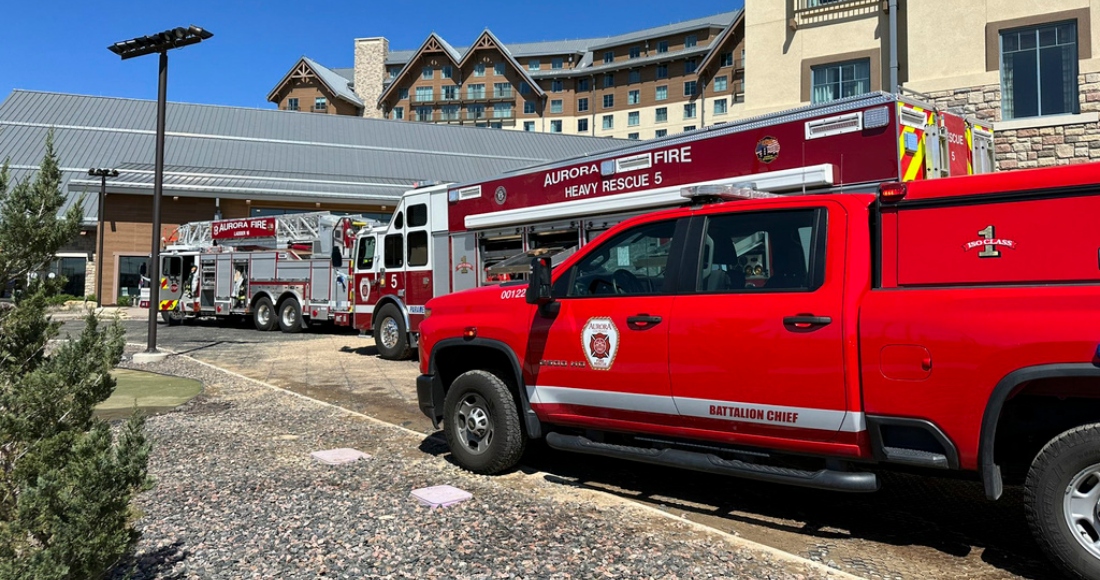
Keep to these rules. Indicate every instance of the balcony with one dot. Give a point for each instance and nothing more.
(817, 12)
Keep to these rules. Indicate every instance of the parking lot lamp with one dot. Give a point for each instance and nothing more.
(102, 174)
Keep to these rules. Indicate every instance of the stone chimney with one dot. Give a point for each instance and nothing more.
(370, 72)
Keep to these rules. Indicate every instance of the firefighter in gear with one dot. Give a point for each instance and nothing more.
(193, 283)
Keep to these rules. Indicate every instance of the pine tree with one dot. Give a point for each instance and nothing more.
(66, 479)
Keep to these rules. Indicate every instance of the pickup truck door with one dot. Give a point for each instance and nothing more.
(602, 360)
(756, 351)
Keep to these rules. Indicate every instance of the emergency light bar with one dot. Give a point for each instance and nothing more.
(725, 191)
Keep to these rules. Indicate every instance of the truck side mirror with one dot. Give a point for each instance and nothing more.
(539, 290)
(337, 257)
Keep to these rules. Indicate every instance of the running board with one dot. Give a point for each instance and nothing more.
(709, 463)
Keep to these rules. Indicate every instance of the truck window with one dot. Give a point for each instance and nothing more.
(394, 251)
(418, 215)
(756, 252)
(365, 253)
(633, 262)
(418, 246)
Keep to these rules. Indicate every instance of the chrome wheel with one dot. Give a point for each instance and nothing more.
(290, 317)
(390, 332)
(473, 425)
(1081, 507)
(263, 314)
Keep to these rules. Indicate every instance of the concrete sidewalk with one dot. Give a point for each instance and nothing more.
(75, 309)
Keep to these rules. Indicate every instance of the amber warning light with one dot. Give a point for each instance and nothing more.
(891, 192)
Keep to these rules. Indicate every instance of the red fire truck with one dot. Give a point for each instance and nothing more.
(447, 238)
(282, 271)
(811, 340)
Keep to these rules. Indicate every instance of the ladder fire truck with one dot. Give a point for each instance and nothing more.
(284, 271)
(451, 237)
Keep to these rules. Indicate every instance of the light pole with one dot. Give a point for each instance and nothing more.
(102, 174)
(160, 42)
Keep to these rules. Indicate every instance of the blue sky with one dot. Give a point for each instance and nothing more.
(62, 45)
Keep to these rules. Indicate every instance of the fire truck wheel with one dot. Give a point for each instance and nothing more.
(1062, 498)
(263, 315)
(390, 335)
(481, 423)
(172, 318)
(290, 316)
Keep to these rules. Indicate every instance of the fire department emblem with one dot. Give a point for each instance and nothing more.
(463, 266)
(767, 149)
(364, 289)
(500, 195)
(600, 341)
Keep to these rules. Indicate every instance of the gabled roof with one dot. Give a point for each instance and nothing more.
(713, 21)
(718, 42)
(338, 85)
(488, 40)
(244, 153)
(434, 43)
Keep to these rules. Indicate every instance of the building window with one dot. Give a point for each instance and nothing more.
(690, 65)
(1039, 71)
(475, 111)
(689, 127)
(726, 59)
(689, 88)
(528, 125)
(608, 80)
(608, 101)
(403, 93)
(529, 108)
(450, 93)
(556, 86)
(660, 133)
(399, 113)
(633, 119)
(719, 84)
(427, 72)
(556, 106)
(393, 71)
(557, 63)
(609, 56)
(555, 126)
(476, 91)
(690, 41)
(662, 71)
(582, 85)
(502, 91)
(533, 64)
(320, 104)
(609, 121)
(720, 107)
(479, 69)
(844, 79)
(634, 97)
(424, 113)
(661, 93)
(689, 110)
(635, 76)
(635, 51)
(524, 88)
(634, 136)
(425, 93)
(449, 113)
(662, 114)
(502, 111)
(447, 71)
(582, 104)
(498, 69)
(292, 104)
(662, 47)
(582, 125)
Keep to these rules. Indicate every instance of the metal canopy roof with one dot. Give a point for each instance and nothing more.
(259, 153)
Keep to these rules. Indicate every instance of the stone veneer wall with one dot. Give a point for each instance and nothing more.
(370, 73)
(1033, 147)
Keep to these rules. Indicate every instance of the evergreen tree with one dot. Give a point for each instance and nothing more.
(66, 480)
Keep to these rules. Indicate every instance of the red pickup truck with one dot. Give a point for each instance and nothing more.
(948, 324)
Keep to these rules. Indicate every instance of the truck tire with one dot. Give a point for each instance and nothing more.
(390, 334)
(1062, 499)
(263, 315)
(172, 318)
(481, 424)
(290, 316)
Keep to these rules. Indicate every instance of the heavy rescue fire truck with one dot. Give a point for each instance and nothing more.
(283, 271)
(447, 238)
(811, 340)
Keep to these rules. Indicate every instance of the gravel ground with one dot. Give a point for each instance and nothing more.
(238, 496)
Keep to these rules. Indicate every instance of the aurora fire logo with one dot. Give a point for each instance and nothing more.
(600, 341)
